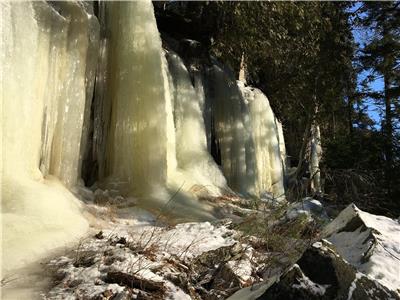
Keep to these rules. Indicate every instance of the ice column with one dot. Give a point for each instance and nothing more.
(141, 142)
(44, 96)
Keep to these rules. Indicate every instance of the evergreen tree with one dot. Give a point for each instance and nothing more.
(381, 56)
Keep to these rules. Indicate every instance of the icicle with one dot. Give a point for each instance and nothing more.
(267, 149)
(141, 144)
(44, 58)
(231, 118)
(248, 135)
(242, 71)
(199, 170)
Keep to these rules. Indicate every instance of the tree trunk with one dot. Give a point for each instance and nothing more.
(388, 135)
(350, 116)
(306, 138)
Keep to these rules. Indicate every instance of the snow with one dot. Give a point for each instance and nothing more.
(242, 268)
(373, 248)
(255, 291)
(307, 284)
(145, 252)
(353, 285)
(307, 207)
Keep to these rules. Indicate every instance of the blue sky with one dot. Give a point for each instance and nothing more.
(361, 36)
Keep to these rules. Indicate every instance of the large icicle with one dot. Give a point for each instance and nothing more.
(231, 122)
(44, 98)
(141, 144)
(265, 134)
(195, 165)
(248, 135)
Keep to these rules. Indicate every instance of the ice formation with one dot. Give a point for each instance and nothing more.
(141, 141)
(268, 143)
(230, 115)
(251, 145)
(146, 134)
(44, 76)
(194, 162)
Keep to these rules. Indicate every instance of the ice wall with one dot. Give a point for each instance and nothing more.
(156, 139)
(232, 124)
(195, 165)
(248, 135)
(145, 134)
(45, 94)
(266, 138)
(141, 141)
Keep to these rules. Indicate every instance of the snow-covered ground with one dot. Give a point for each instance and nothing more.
(141, 248)
(130, 253)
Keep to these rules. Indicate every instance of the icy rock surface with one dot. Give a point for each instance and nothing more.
(369, 242)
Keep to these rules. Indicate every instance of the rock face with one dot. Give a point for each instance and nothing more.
(322, 274)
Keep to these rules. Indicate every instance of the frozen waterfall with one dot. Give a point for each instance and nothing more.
(46, 75)
(195, 165)
(141, 142)
(250, 138)
(146, 134)
(157, 140)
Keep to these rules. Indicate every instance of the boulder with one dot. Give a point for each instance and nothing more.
(322, 274)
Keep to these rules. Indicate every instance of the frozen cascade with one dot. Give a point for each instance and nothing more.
(195, 165)
(141, 156)
(251, 148)
(231, 120)
(149, 132)
(268, 142)
(141, 142)
(44, 90)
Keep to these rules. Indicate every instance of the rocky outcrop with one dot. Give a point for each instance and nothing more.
(371, 243)
(322, 274)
